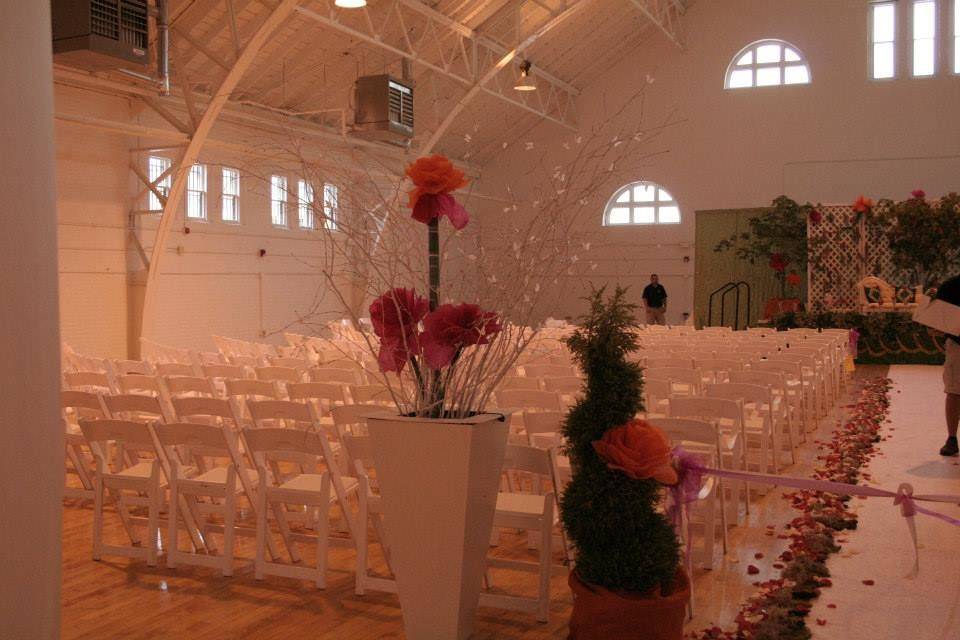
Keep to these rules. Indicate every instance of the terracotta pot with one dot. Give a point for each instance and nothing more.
(601, 614)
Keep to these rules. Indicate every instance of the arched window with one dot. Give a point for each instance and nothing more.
(641, 203)
(767, 63)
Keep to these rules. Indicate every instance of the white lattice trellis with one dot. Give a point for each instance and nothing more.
(845, 248)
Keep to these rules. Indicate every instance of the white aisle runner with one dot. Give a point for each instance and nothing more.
(895, 607)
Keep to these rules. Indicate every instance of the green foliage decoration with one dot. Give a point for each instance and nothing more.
(781, 232)
(924, 236)
(622, 542)
(885, 337)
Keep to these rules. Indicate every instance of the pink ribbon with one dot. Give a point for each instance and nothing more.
(690, 472)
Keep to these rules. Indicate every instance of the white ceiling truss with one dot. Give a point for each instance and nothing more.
(666, 15)
(456, 51)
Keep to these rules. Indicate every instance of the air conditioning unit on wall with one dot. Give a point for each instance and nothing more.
(384, 109)
(100, 34)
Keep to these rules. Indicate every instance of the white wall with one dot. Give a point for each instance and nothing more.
(213, 279)
(829, 141)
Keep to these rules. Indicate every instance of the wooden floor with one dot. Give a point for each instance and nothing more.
(122, 598)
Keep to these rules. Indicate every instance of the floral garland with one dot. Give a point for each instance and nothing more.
(780, 609)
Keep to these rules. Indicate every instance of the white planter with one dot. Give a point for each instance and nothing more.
(439, 481)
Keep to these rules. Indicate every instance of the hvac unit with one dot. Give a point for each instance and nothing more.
(100, 34)
(384, 109)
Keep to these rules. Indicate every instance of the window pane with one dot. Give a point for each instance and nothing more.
(644, 193)
(644, 215)
(741, 78)
(768, 53)
(884, 16)
(796, 74)
(746, 58)
(883, 60)
(924, 19)
(619, 215)
(231, 182)
(956, 49)
(923, 57)
(624, 197)
(956, 37)
(790, 55)
(664, 196)
(669, 215)
(768, 76)
(156, 166)
(331, 205)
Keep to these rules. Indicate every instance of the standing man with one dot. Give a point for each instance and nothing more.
(655, 298)
(949, 292)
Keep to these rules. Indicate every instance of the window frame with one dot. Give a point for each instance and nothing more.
(306, 222)
(201, 193)
(956, 37)
(632, 204)
(934, 39)
(279, 205)
(872, 44)
(163, 186)
(781, 65)
(226, 196)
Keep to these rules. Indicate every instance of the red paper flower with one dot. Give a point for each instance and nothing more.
(777, 263)
(451, 327)
(919, 194)
(396, 316)
(640, 450)
(794, 279)
(434, 178)
(863, 205)
(815, 217)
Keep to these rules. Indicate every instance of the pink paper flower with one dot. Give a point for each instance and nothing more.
(434, 177)
(450, 328)
(863, 205)
(396, 317)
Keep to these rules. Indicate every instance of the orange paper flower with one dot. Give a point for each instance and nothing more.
(433, 175)
(863, 205)
(640, 450)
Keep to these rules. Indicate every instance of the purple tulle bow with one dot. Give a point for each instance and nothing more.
(689, 482)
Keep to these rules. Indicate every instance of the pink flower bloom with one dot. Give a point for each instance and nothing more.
(397, 313)
(815, 217)
(919, 194)
(430, 206)
(396, 316)
(777, 262)
(450, 327)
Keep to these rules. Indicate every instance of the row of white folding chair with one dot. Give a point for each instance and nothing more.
(569, 385)
(217, 481)
(765, 403)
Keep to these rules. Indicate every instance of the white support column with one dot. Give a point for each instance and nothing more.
(192, 153)
(31, 434)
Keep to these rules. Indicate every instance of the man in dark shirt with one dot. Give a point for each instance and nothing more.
(655, 299)
(949, 292)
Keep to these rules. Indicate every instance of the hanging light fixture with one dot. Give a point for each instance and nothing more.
(525, 82)
(350, 4)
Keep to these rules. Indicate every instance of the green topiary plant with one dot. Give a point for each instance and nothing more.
(621, 541)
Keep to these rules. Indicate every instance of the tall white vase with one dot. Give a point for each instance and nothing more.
(439, 481)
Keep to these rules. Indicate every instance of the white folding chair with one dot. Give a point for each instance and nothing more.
(141, 478)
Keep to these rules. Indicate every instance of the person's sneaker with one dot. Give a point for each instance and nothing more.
(951, 448)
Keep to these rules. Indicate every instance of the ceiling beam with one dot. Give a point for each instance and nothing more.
(665, 15)
(504, 60)
(465, 56)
